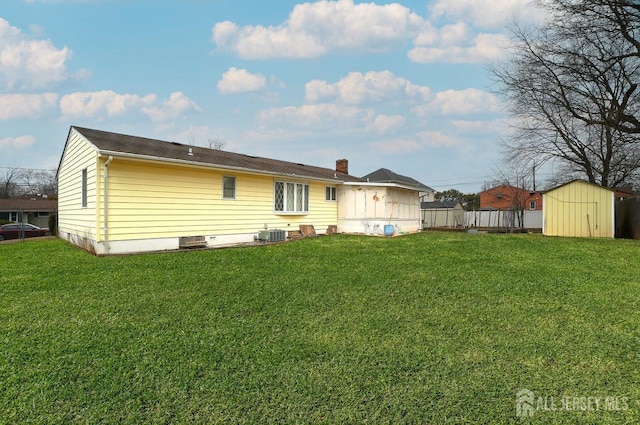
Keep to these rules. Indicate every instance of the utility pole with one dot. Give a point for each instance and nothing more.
(534, 176)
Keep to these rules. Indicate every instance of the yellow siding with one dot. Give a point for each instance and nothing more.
(578, 209)
(72, 217)
(155, 200)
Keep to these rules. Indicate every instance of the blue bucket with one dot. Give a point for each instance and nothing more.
(389, 229)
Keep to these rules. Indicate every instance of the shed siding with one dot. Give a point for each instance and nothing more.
(578, 209)
(155, 200)
(73, 219)
(443, 217)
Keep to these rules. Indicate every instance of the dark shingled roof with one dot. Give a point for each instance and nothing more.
(28, 204)
(438, 205)
(108, 142)
(384, 175)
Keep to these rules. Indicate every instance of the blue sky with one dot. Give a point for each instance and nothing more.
(401, 85)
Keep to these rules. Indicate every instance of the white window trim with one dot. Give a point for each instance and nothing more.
(235, 188)
(295, 200)
(334, 192)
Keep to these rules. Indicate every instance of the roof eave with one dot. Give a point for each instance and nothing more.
(215, 166)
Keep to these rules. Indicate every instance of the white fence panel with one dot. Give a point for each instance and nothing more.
(532, 219)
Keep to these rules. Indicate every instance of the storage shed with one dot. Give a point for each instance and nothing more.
(579, 209)
(442, 214)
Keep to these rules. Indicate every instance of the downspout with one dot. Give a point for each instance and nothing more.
(106, 204)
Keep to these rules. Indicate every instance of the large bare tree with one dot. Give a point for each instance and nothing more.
(20, 181)
(9, 186)
(572, 86)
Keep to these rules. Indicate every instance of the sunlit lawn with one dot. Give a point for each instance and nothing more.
(426, 328)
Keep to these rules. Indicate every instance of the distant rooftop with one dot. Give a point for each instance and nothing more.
(384, 175)
(438, 205)
(28, 203)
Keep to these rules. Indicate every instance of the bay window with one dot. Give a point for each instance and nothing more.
(291, 197)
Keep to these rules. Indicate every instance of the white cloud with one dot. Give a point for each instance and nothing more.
(460, 102)
(324, 115)
(436, 139)
(315, 29)
(27, 63)
(357, 88)
(386, 123)
(240, 81)
(13, 106)
(422, 141)
(21, 142)
(86, 104)
(497, 126)
(457, 43)
(486, 13)
(110, 103)
(171, 108)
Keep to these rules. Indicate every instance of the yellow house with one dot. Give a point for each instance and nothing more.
(578, 209)
(124, 194)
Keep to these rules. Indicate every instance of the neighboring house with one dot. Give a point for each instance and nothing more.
(505, 197)
(625, 192)
(509, 207)
(579, 209)
(442, 214)
(121, 194)
(34, 209)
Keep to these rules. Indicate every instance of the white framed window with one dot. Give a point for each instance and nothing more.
(228, 187)
(532, 205)
(14, 216)
(84, 188)
(329, 193)
(291, 197)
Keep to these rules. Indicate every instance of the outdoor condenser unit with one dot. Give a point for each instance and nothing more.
(274, 235)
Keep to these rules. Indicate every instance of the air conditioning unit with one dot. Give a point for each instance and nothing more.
(274, 235)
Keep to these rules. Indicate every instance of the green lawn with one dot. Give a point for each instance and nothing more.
(426, 328)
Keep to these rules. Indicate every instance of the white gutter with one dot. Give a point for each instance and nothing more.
(214, 166)
(105, 205)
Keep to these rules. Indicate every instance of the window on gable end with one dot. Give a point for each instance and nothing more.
(84, 188)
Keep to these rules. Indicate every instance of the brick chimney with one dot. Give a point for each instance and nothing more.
(342, 166)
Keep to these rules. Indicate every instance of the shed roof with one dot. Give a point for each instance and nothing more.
(578, 181)
(109, 143)
(439, 205)
(384, 175)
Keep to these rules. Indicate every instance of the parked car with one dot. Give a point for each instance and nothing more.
(17, 230)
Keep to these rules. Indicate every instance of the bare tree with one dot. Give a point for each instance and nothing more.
(572, 88)
(516, 182)
(215, 143)
(46, 182)
(9, 182)
(18, 181)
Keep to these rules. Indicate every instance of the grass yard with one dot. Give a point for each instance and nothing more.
(426, 328)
